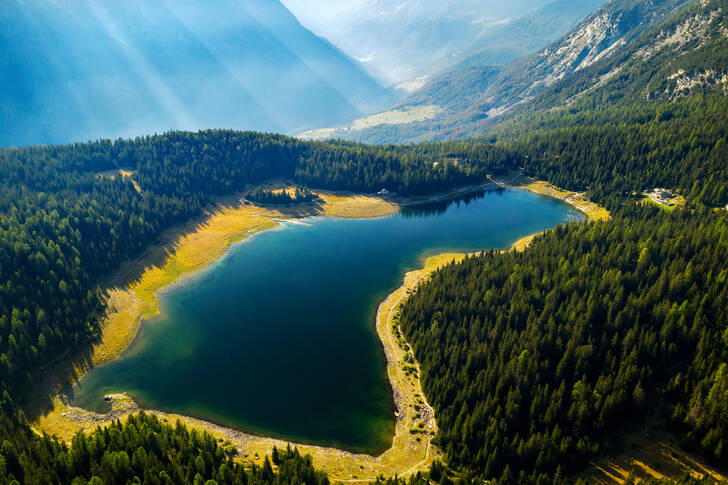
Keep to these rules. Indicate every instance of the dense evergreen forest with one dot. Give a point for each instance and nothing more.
(144, 450)
(300, 195)
(531, 359)
(678, 145)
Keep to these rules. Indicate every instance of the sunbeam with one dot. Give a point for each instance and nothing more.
(137, 59)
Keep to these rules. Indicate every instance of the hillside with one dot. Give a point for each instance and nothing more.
(476, 98)
(524, 35)
(99, 69)
(403, 42)
(683, 58)
(535, 361)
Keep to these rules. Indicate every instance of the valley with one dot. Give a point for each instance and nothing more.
(505, 263)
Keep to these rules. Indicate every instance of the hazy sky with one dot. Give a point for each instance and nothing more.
(399, 40)
(314, 13)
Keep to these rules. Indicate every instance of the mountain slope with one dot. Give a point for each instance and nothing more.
(600, 35)
(476, 97)
(104, 69)
(522, 36)
(402, 40)
(682, 57)
(477, 63)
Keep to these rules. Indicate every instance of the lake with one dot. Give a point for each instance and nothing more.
(277, 338)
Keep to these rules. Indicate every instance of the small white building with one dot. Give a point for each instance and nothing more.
(383, 192)
(662, 196)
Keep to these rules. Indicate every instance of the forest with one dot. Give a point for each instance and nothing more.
(146, 450)
(300, 195)
(681, 145)
(533, 359)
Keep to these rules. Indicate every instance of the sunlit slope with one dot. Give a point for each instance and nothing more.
(476, 97)
(75, 71)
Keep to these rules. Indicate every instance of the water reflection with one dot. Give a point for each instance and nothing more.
(426, 209)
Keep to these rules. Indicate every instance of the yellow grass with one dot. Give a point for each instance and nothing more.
(121, 324)
(649, 455)
(398, 116)
(125, 174)
(334, 204)
(523, 243)
(358, 207)
(579, 201)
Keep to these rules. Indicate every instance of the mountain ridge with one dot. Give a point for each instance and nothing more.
(519, 85)
(112, 70)
(403, 41)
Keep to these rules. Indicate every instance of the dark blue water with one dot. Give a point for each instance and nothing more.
(278, 337)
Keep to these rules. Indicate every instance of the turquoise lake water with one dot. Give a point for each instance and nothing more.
(277, 337)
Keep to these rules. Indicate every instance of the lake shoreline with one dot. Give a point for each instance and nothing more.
(410, 451)
(577, 200)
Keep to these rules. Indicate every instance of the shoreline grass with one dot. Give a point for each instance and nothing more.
(577, 200)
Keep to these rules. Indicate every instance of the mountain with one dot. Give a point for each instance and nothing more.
(494, 46)
(516, 38)
(473, 97)
(402, 41)
(81, 70)
(679, 59)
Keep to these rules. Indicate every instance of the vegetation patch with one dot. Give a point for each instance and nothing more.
(399, 116)
(285, 196)
(593, 211)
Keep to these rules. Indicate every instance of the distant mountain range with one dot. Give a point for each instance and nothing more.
(400, 41)
(518, 37)
(82, 70)
(597, 55)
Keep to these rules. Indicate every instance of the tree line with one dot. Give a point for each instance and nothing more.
(531, 360)
(144, 449)
(276, 197)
